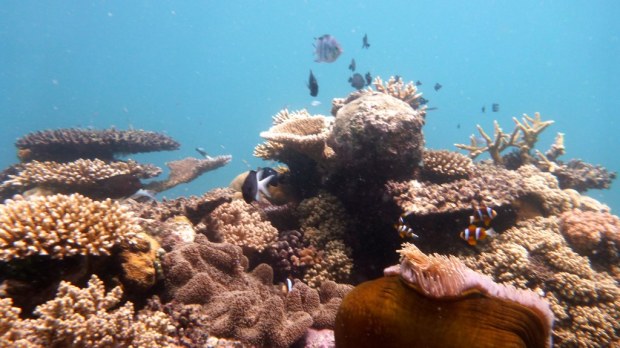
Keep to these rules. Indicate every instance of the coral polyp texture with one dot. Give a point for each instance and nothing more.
(534, 255)
(241, 224)
(443, 165)
(69, 144)
(61, 226)
(297, 132)
(380, 132)
(86, 317)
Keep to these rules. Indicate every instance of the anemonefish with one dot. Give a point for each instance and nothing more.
(404, 231)
(483, 214)
(473, 234)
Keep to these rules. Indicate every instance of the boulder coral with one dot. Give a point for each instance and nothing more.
(377, 136)
(592, 233)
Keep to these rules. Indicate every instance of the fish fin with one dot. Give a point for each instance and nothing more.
(471, 241)
(262, 186)
(491, 232)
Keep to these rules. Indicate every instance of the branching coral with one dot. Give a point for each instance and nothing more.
(84, 318)
(534, 255)
(71, 143)
(241, 224)
(186, 170)
(523, 137)
(295, 132)
(398, 89)
(62, 226)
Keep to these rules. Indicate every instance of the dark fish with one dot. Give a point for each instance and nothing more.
(432, 108)
(397, 78)
(202, 152)
(313, 85)
(458, 126)
(256, 183)
(327, 49)
(495, 107)
(437, 86)
(365, 43)
(484, 109)
(423, 101)
(357, 81)
(352, 65)
(418, 83)
(368, 78)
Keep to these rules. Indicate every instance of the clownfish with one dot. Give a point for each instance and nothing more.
(483, 214)
(473, 234)
(404, 231)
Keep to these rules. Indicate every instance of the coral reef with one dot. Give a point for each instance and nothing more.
(592, 233)
(581, 176)
(70, 144)
(241, 224)
(443, 166)
(436, 301)
(61, 226)
(240, 305)
(379, 132)
(533, 255)
(84, 318)
(187, 169)
(138, 263)
(397, 89)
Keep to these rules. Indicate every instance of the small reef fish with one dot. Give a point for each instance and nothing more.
(142, 194)
(437, 86)
(313, 85)
(357, 81)
(484, 109)
(479, 225)
(256, 183)
(368, 78)
(495, 107)
(203, 152)
(365, 43)
(418, 83)
(404, 231)
(352, 65)
(326, 49)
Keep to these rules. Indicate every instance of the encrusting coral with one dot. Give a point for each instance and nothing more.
(534, 255)
(61, 226)
(84, 318)
(241, 224)
(240, 305)
(69, 144)
(436, 301)
(187, 169)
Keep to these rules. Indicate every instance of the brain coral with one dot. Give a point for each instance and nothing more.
(61, 226)
(241, 224)
(533, 254)
(84, 318)
(379, 135)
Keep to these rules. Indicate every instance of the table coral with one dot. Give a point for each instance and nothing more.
(69, 144)
(533, 254)
(377, 136)
(62, 226)
(187, 169)
(241, 224)
(84, 318)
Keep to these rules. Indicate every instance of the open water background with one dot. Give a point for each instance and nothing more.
(212, 73)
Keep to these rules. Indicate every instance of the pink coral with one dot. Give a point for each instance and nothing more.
(592, 233)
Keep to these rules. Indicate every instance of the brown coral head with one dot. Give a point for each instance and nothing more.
(436, 301)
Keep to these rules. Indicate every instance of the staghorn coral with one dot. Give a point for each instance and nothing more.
(492, 184)
(70, 144)
(186, 170)
(295, 132)
(592, 233)
(377, 136)
(436, 301)
(241, 224)
(443, 165)
(62, 226)
(533, 255)
(523, 137)
(397, 89)
(84, 318)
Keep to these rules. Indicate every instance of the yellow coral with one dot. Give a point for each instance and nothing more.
(241, 224)
(62, 226)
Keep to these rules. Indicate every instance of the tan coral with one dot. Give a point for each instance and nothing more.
(78, 172)
(187, 169)
(335, 265)
(592, 233)
(534, 255)
(62, 226)
(443, 165)
(138, 263)
(84, 318)
(397, 88)
(241, 224)
(298, 131)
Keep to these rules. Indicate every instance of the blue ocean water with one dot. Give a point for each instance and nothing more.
(212, 73)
